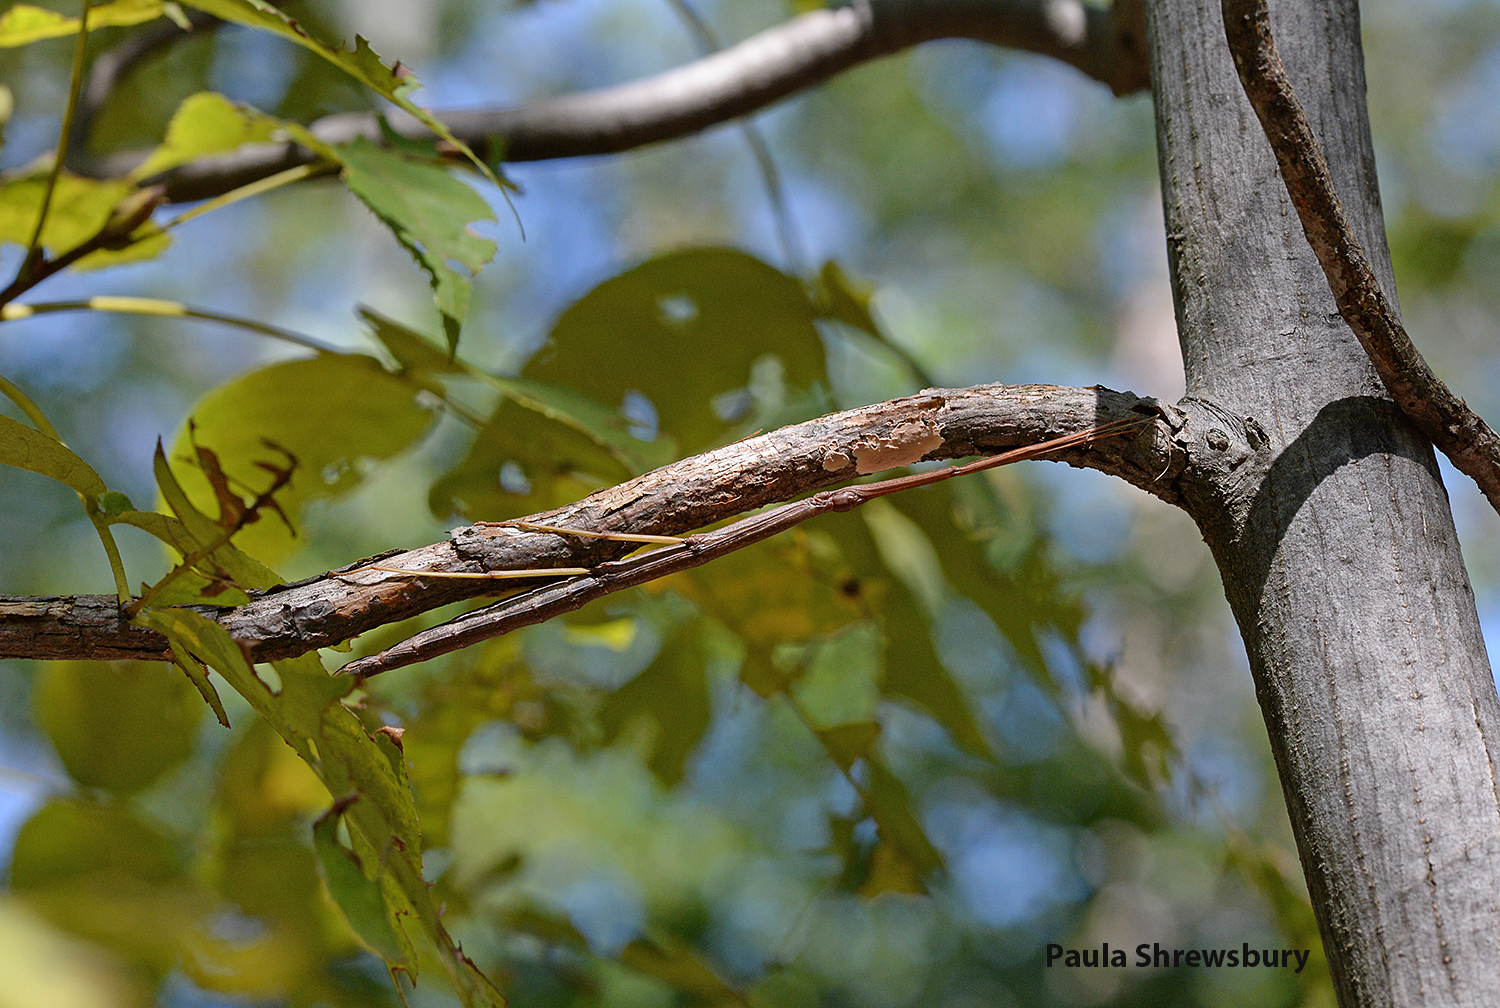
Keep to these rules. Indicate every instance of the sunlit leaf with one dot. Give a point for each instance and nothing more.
(331, 412)
(264, 787)
(430, 213)
(28, 448)
(698, 320)
(43, 966)
(23, 24)
(79, 210)
(207, 123)
(394, 83)
(107, 876)
(99, 716)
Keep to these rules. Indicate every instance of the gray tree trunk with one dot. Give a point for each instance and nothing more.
(1332, 531)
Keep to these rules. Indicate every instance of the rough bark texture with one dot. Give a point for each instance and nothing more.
(1442, 417)
(677, 499)
(1334, 536)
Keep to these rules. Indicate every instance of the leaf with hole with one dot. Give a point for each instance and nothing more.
(332, 413)
(736, 333)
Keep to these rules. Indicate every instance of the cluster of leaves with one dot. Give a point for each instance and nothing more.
(314, 829)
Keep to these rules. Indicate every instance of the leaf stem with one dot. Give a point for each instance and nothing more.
(255, 188)
(75, 89)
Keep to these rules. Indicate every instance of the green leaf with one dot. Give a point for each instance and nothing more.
(198, 676)
(119, 726)
(358, 895)
(555, 462)
(848, 743)
(79, 210)
(425, 362)
(393, 83)
(196, 634)
(28, 448)
(607, 428)
(702, 321)
(207, 123)
(841, 301)
(904, 856)
(24, 23)
(225, 562)
(912, 669)
(68, 838)
(382, 821)
(115, 503)
(331, 412)
(669, 698)
(773, 593)
(429, 211)
(414, 353)
(194, 533)
(841, 684)
(105, 875)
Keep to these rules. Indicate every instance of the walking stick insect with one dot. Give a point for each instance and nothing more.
(572, 587)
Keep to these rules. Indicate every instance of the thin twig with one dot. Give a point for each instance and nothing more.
(133, 211)
(75, 88)
(786, 228)
(1442, 416)
(554, 599)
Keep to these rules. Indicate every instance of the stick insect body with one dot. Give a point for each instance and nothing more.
(572, 587)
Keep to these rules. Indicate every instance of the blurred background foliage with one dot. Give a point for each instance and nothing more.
(883, 761)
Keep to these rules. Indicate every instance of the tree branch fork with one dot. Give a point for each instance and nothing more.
(675, 500)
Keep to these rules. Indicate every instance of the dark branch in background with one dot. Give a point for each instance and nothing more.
(674, 500)
(807, 50)
(1442, 416)
(116, 63)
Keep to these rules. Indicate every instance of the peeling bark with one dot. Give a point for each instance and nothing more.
(677, 499)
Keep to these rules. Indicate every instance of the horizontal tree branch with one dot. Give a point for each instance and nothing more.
(804, 51)
(1443, 417)
(675, 500)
